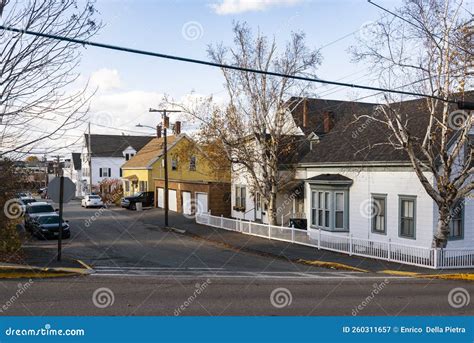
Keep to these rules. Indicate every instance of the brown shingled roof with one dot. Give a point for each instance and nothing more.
(148, 154)
(359, 139)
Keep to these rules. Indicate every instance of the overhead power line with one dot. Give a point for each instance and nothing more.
(219, 65)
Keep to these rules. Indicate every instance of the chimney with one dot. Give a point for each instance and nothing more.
(305, 112)
(328, 121)
(177, 128)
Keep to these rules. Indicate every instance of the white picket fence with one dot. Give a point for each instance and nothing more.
(394, 252)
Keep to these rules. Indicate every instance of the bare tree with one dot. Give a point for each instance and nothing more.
(431, 51)
(37, 74)
(254, 125)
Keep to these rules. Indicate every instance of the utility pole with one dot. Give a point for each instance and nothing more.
(61, 200)
(89, 158)
(166, 123)
(57, 166)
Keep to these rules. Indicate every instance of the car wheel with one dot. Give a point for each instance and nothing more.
(133, 207)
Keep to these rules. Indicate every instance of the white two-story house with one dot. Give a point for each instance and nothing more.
(106, 156)
(348, 184)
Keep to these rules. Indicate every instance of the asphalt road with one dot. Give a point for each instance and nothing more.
(142, 269)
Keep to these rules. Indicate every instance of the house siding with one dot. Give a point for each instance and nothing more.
(393, 183)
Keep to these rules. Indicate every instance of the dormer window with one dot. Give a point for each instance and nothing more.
(313, 140)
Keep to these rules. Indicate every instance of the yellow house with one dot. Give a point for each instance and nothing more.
(137, 172)
(199, 176)
(199, 179)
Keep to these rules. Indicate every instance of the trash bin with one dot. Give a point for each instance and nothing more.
(139, 206)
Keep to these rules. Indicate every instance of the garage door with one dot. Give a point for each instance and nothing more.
(161, 198)
(201, 201)
(173, 204)
(187, 208)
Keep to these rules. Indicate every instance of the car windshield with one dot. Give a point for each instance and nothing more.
(138, 194)
(28, 201)
(40, 209)
(94, 197)
(49, 220)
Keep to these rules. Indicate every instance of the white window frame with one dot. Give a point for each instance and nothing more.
(401, 200)
(374, 216)
(323, 208)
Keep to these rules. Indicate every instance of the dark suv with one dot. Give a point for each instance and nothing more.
(146, 198)
(34, 209)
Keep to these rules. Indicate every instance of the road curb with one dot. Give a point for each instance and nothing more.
(452, 276)
(18, 271)
(332, 265)
(85, 265)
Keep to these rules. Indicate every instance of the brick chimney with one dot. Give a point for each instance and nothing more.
(328, 121)
(305, 112)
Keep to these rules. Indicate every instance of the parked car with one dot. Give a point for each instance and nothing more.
(46, 226)
(92, 200)
(23, 195)
(35, 209)
(25, 201)
(146, 198)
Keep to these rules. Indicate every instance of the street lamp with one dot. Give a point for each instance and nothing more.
(147, 126)
(162, 128)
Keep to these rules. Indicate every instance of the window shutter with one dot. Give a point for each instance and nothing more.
(110, 174)
(100, 172)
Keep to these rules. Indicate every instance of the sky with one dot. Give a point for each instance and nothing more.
(127, 84)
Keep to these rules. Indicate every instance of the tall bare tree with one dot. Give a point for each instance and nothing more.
(253, 125)
(38, 99)
(428, 46)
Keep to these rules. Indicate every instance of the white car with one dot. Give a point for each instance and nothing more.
(92, 201)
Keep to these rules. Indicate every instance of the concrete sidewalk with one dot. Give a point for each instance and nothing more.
(284, 250)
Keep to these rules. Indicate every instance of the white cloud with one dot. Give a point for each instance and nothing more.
(240, 6)
(105, 79)
(124, 109)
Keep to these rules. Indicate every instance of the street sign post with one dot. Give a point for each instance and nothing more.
(61, 189)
